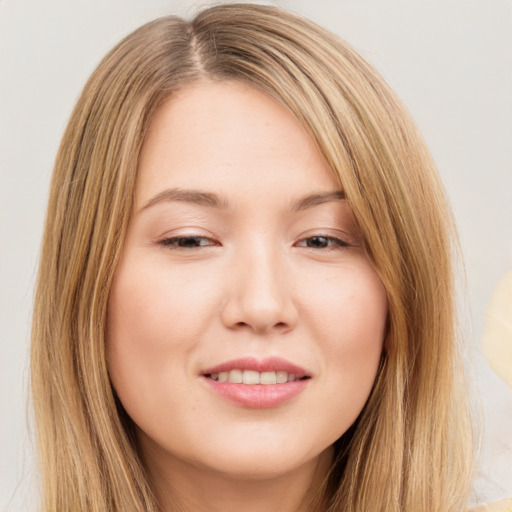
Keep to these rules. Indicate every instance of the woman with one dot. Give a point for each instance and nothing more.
(246, 290)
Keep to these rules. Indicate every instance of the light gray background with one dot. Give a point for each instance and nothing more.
(449, 60)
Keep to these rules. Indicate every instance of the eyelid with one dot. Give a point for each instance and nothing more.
(172, 241)
(167, 242)
(339, 243)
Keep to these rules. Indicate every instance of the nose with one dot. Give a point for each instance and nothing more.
(259, 296)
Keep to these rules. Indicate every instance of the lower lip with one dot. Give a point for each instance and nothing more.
(258, 396)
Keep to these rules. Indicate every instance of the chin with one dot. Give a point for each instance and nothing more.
(250, 467)
(260, 461)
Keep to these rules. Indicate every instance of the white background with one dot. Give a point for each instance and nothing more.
(449, 60)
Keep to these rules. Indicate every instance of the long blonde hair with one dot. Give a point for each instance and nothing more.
(411, 447)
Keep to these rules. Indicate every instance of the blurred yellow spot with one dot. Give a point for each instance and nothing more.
(497, 337)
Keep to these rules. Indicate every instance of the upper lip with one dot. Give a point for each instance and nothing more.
(269, 364)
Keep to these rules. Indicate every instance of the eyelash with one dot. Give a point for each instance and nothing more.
(336, 243)
(177, 242)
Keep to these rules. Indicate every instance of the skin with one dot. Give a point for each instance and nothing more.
(253, 282)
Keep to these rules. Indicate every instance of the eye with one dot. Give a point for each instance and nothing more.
(187, 242)
(322, 242)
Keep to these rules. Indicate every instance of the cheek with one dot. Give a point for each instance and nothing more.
(152, 304)
(155, 319)
(349, 314)
(365, 309)
(348, 306)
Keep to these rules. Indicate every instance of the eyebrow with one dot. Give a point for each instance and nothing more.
(188, 196)
(311, 200)
(211, 200)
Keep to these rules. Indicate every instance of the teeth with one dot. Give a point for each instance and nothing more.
(252, 377)
(268, 378)
(281, 377)
(235, 376)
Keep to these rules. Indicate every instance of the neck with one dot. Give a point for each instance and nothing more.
(182, 487)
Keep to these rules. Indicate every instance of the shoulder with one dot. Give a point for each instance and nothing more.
(498, 506)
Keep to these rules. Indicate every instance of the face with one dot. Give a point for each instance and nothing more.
(245, 322)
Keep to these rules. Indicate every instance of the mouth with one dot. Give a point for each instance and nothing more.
(257, 384)
(251, 371)
(252, 377)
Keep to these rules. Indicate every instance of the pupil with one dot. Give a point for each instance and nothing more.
(318, 241)
(188, 241)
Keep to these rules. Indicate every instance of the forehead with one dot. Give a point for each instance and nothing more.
(228, 135)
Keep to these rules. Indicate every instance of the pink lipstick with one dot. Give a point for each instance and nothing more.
(257, 384)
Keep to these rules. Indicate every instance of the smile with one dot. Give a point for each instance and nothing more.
(252, 377)
(257, 384)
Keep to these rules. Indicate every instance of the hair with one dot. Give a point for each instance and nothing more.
(411, 448)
